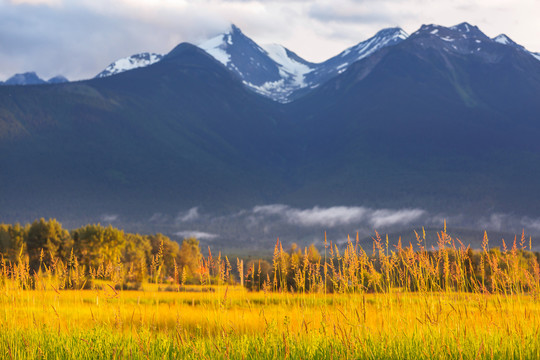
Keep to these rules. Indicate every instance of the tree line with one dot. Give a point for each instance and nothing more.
(92, 248)
(78, 257)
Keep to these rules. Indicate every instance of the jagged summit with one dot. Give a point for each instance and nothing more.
(463, 31)
(272, 70)
(505, 40)
(465, 39)
(393, 31)
(466, 28)
(129, 63)
(383, 38)
(278, 73)
(235, 29)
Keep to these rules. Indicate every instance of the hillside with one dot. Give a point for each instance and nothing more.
(443, 123)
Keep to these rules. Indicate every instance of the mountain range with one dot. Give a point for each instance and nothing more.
(278, 73)
(31, 78)
(445, 121)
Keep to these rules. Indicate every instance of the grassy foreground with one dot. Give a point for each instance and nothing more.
(231, 323)
(445, 303)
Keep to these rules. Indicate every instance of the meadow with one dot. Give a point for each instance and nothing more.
(397, 302)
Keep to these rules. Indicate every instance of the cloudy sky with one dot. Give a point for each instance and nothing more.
(79, 38)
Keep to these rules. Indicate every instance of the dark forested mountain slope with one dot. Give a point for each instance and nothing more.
(445, 120)
(445, 117)
(182, 131)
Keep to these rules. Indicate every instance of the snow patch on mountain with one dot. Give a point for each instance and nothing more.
(505, 40)
(130, 63)
(463, 27)
(466, 39)
(289, 68)
(382, 39)
(216, 47)
(276, 90)
(502, 39)
(340, 63)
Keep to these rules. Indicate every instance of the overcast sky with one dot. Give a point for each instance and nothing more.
(79, 38)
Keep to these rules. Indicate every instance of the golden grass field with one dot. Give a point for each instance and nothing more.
(399, 304)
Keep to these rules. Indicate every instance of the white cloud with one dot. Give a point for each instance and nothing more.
(340, 215)
(382, 218)
(275, 209)
(332, 216)
(190, 215)
(159, 218)
(200, 235)
(495, 222)
(109, 218)
(531, 224)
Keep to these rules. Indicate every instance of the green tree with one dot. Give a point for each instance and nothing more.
(190, 256)
(165, 254)
(12, 242)
(96, 245)
(136, 256)
(46, 240)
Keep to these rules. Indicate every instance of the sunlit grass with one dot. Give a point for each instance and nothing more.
(92, 324)
(398, 303)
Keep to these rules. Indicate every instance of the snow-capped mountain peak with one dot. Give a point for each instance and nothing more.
(505, 40)
(464, 27)
(272, 71)
(365, 48)
(231, 43)
(276, 72)
(462, 31)
(383, 38)
(392, 34)
(130, 63)
(467, 30)
(341, 62)
(465, 39)
(217, 46)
